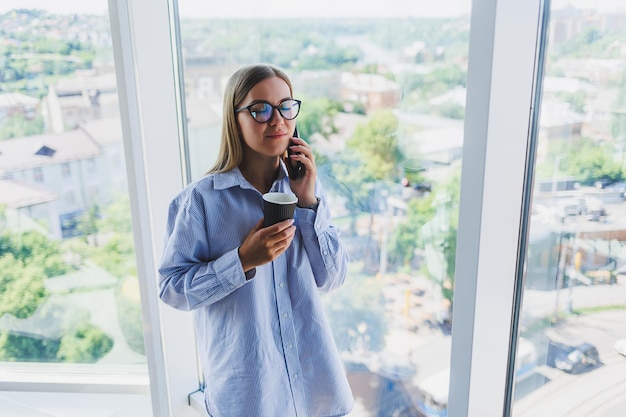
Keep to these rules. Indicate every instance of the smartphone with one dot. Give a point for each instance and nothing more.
(295, 168)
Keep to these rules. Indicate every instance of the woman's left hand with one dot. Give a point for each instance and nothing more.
(304, 187)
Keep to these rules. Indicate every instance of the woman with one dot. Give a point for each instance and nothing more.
(265, 345)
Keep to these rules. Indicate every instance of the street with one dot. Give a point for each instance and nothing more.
(598, 392)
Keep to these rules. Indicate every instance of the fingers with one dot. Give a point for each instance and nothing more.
(302, 151)
(263, 245)
(278, 236)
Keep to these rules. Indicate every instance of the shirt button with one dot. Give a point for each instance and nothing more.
(285, 315)
(282, 284)
(295, 376)
(289, 346)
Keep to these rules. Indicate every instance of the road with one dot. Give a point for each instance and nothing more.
(599, 392)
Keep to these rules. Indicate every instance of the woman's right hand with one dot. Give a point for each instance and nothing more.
(264, 244)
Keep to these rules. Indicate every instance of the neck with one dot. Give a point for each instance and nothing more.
(260, 177)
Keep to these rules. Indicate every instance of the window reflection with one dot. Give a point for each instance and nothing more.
(574, 306)
(383, 107)
(68, 291)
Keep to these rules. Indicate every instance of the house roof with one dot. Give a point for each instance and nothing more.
(16, 195)
(11, 100)
(47, 149)
(104, 131)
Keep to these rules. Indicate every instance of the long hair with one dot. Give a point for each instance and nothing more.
(237, 88)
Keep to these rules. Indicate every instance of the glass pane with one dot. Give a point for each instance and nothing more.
(572, 338)
(383, 99)
(68, 292)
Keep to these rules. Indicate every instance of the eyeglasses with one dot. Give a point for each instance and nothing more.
(262, 111)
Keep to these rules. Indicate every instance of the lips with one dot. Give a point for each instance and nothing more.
(277, 135)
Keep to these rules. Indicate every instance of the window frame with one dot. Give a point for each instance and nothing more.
(144, 61)
(500, 100)
(497, 162)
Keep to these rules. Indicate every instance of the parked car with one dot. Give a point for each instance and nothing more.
(575, 359)
(620, 346)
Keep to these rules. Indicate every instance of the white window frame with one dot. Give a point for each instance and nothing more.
(496, 155)
(140, 30)
(146, 86)
(501, 79)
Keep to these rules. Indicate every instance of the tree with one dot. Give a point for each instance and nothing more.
(33, 248)
(449, 196)
(88, 223)
(21, 286)
(376, 142)
(589, 163)
(19, 126)
(86, 344)
(26, 260)
(317, 116)
(431, 223)
(23, 348)
(405, 238)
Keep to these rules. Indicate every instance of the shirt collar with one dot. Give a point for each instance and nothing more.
(234, 177)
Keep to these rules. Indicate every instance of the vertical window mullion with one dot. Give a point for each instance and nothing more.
(144, 66)
(501, 70)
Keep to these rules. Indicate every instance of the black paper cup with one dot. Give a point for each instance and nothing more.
(278, 207)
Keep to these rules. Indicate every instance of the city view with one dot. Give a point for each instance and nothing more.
(383, 108)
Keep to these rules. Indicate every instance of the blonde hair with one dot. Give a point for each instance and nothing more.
(239, 85)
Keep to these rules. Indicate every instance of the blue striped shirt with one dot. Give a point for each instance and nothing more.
(265, 345)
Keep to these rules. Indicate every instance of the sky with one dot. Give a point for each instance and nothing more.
(269, 8)
(299, 8)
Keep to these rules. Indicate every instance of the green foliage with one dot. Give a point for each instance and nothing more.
(117, 255)
(589, 163)
(590, 42)
(21, 286)
(88, 224)
(351, 181)
(19, 126)
(442, 78)
(372, 162)
(317, 116)
(440, 209)
(377, 144)
(116, 216)
(34, 248)
(25, 262)
(24, 348)
(577, 100)
(86, 344)
(405, 237)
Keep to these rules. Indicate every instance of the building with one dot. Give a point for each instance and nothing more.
(13, 104)
(491, 299)
(371, 90)
(74, 101)
(69, 172)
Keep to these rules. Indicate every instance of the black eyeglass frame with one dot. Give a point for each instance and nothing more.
(277, 107)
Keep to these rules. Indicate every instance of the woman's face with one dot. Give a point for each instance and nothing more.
(271, 138)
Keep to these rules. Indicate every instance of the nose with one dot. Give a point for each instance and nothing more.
(273, 120)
